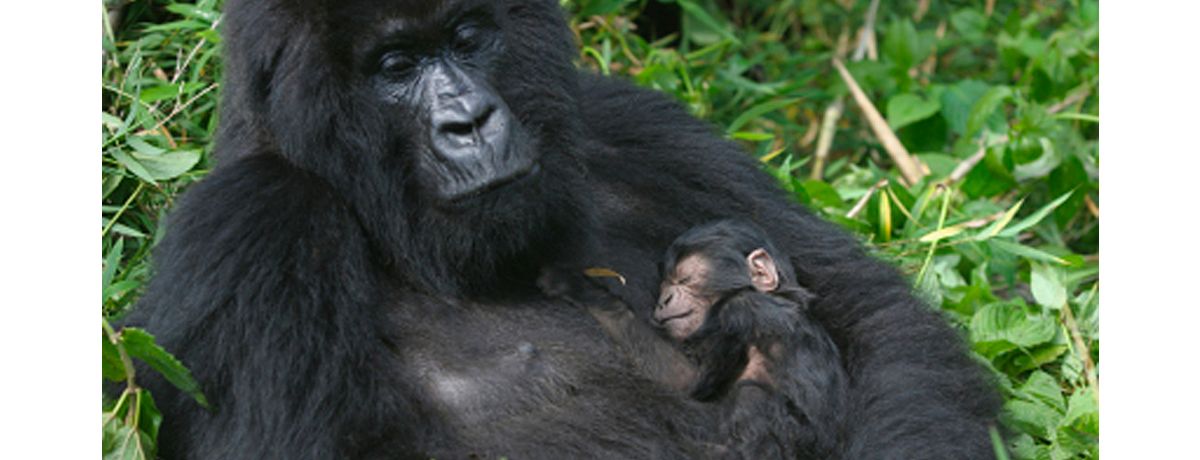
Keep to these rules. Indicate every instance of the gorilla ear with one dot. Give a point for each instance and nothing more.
(763, 273)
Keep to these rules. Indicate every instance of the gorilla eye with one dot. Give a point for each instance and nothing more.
(397, 63)
(469, 37)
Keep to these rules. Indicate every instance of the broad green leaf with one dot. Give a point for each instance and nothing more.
(168, 165)
(1046, 282)
(1043, 388)
(1020, 361)
(1083, 412)
(905, 109)
(957, 101)
(133, 166)
(123, 442)
(140, 145)
(149, 419)
(969, 22)
(1079, 430)
(984, 108)
(1036, 217)
(901, 44)
(113, 367)
(110, 121)
(823, 193)
(1033, 418)
(1010, 324)
(140, 344)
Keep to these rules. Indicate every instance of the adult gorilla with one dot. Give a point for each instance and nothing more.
(356, 278)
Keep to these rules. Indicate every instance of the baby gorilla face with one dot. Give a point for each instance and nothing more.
(685, 298)
(694, 285)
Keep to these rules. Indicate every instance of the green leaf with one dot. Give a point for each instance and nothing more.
(111, 262)
(1042, 388)
(901, 45)
(1036, 217)
(113, 367)
(168, 165)
(905, 109)
(701, 15)
(157, 93)
(149, 419)
(133, 166)
(999, 224)
(941, 233)
(1009, 324)
(1025, 251)
(984, 108)
(601, 7)
(957, 101)
(140, 344)
(970, 23)
(752, 136)
(759, 110)
(1046, 282)
(123, 442)
(823, 193)
(1033, 418)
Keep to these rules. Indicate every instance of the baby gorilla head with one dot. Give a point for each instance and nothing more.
(708, 265)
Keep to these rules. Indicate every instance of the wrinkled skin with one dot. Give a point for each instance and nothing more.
(356, 277)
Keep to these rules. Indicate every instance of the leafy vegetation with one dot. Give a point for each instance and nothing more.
(960, 142)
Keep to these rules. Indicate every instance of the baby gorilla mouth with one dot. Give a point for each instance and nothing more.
(663, 317)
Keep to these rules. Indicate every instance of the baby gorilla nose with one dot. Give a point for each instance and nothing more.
(665, 299)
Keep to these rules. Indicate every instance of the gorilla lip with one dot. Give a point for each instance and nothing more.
(515, 176)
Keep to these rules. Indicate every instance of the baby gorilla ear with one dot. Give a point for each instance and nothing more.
(763, 273)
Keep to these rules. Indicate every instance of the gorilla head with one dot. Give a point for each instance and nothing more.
(448, 127)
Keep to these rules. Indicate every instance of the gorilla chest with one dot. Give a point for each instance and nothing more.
(476, 364)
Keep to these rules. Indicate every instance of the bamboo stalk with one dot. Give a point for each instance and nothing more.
(908, 167)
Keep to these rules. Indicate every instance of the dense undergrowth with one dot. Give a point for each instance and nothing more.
(960, 142)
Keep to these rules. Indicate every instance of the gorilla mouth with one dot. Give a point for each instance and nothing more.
(524, 171)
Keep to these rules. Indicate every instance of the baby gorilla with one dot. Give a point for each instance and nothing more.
(739, 335)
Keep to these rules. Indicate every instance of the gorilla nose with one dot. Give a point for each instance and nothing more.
(468, 125)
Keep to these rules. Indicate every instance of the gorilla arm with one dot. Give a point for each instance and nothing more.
(255, 261)
(654, 356)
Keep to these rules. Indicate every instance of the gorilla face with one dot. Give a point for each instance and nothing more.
(441, 72)
(448, 127)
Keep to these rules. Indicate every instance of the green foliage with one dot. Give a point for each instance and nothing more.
(1007, 248)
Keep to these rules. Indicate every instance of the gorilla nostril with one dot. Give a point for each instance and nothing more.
(457, 129)
(485, 115)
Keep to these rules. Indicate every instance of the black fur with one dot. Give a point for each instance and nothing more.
(791, 408)
(330, 310)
